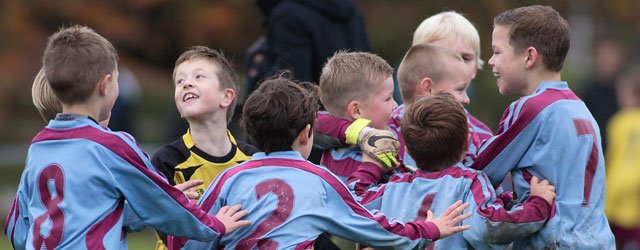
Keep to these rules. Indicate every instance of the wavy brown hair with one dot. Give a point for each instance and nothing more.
(276, 112)
(435, 131)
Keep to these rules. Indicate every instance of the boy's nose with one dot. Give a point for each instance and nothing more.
(187, 84)
(465, 100)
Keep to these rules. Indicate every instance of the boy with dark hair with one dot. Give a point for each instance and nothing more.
(435, 130)
(80, 176)
(548, 132)
(291, 200)
(205, 94)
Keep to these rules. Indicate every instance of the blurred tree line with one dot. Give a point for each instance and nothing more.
(150, 34)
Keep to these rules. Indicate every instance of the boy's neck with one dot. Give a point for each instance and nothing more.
(210, 137)
(539, 77)
(82, 109)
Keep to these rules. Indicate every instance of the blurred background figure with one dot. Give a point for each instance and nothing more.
(301, 34)
(623, 163)
(124, 111)
(600, 97)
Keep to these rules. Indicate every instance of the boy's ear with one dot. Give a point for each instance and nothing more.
(353, 109)
(228, 97)
(466, 143)
(103, 84)
(305, 135)
(532, 57)
(424, 87)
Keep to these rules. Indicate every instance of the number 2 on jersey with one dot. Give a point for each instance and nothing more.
(584, 127)
(283, 209)
(51, 202)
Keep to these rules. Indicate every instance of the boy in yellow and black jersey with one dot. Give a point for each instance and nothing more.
(182, 160)
(205, 94)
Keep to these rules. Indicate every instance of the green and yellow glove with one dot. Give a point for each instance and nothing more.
(382, 145)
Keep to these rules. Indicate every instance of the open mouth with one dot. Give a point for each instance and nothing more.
(189, 96)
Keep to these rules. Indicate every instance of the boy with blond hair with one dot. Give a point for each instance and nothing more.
(205, 94)
(72, 192)
(291, 200)
(451, 30)
(448, 30)
(548, 132)
(355, 86)
(43, 98)
(435, 129)
(424, 70)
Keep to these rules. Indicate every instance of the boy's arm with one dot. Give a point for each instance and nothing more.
(155, 201)
(375, 230)
(364, 179)
(331, 128)
(17, 223)
(491, 223)
(158, 160)
(501, 153)
(132, 223)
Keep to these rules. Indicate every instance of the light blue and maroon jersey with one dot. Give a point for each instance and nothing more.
(478, 132)
(551, 134)
(344, 161)
(77, 179)
(408, 197)
(291, 201)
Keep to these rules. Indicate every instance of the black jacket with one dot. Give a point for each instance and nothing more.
(302, 34)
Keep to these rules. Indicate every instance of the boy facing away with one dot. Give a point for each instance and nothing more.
(548, 132)
(205, 94)
(436, 133)
(291, 200)
(79, 175)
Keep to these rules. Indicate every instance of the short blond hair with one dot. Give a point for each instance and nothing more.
(449, 23)
(349, 76)
(422, 61)
(45, 101)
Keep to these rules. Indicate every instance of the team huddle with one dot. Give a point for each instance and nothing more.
(425, 174)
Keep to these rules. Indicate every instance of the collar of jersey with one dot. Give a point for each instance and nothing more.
(551, 85)
(68, 120)
(293, 155)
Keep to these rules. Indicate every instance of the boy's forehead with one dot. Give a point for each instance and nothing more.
(197, 63)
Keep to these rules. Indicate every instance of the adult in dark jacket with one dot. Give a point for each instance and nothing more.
(302, 34)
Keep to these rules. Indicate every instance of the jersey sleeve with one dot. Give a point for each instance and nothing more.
(17, 222)
(374, 230)
(330, 129)
(492, 225)
(132, 223)
(365, 177)
(500, 154)
(155, 201)
(158, 160)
